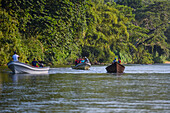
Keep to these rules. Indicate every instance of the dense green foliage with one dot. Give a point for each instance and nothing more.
(57, 32)
(155, 18)
(131, 3)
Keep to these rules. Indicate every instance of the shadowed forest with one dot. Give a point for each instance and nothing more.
(59, 31)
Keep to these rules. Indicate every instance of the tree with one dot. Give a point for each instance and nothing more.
(131, 3)
(155, 18)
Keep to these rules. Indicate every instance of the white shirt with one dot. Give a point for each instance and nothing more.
(15, 57)
(87, 60)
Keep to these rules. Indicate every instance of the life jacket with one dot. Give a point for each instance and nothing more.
(119, 61)
(80, 60)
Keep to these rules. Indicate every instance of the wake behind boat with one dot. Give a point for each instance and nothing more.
(18, 67)
(115, 68)
(82, 66)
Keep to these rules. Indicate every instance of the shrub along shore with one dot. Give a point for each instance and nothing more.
(58, 32)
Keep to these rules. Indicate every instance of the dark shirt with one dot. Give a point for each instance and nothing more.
(34, 63)
(87, 60)
(76, 62)
(114, 61)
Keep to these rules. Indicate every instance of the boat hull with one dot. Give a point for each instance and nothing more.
(82, 66)
(115, 68)
(18, 67)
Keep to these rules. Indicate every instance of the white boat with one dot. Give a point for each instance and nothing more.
(18, 67)
(82, 66)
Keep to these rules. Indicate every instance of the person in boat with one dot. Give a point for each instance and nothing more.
(76, 61)
(34, 63)
(114, 61)
(119, 61)
(15, 56)
(41, 65)
(26, 62)
(87, 60)
(80, 59)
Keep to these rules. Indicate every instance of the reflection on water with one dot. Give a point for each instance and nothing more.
(15, 77)
(64, 90)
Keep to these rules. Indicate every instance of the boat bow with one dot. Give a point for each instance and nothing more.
(18, 67)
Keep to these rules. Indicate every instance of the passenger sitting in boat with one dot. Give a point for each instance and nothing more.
(26, 62)
(15, 56)
(34, 63)
(119, 61)
(114, 61)
(41, 65)
(87, 60)
(82, 60)
(76, 61)
(79, 60)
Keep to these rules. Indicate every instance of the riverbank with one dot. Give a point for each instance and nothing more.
(70, 64)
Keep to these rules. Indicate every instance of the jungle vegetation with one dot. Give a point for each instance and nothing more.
(59, 31)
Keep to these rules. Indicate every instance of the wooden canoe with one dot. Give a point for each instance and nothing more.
(115, 68)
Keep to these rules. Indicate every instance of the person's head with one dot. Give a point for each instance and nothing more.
(34, 59)
(15, 52)
(115, 58)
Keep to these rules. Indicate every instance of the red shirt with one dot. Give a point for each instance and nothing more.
(119, 61)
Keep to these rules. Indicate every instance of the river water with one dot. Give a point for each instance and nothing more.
(140, 89)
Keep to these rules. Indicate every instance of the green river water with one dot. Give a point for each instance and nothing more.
(141, 89)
